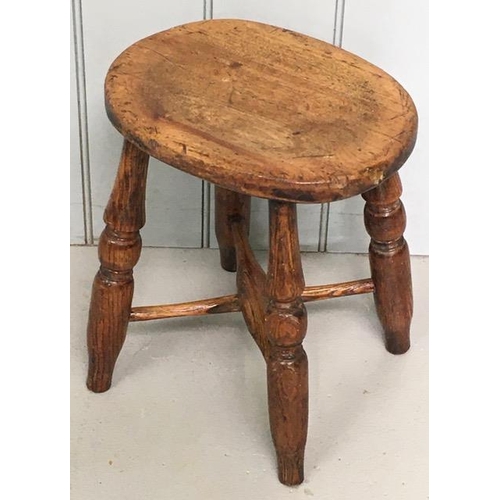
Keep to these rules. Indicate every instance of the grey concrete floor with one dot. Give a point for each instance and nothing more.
(186, 417)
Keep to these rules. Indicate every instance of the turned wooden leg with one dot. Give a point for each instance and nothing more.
(119, 250)
(385, 222)
(286, 323)
(229, 205)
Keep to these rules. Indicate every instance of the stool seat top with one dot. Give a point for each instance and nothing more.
(261, 110)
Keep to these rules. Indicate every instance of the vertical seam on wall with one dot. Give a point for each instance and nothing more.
(338, 33)
(208, 9)
(206, 187)
(324, 218)
(322, 227)
(338, 27)
(81, 93)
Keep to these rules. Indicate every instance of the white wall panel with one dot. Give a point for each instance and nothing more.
(77, 231)
(173, 198)
(314, 17)
(393, 34)
(346, 227)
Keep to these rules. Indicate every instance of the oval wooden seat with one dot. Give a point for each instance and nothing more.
(261, 110)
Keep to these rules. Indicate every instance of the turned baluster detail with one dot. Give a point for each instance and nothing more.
(286, 323)
(228, 207)
(385, 221)
(119, 251)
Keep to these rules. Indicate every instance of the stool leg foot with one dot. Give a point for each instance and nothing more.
(228, 206)
(119, 251)
(287, 388)
(286, 323)
(107, 327)
(385, 222)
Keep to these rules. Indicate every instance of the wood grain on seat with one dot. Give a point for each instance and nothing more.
(261, 110)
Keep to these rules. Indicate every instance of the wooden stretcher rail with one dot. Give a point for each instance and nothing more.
(323, 292)
(251, 285)
(231, 303)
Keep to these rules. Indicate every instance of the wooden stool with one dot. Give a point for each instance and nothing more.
(258, 111)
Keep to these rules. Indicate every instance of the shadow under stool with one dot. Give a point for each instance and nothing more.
(258, 111)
